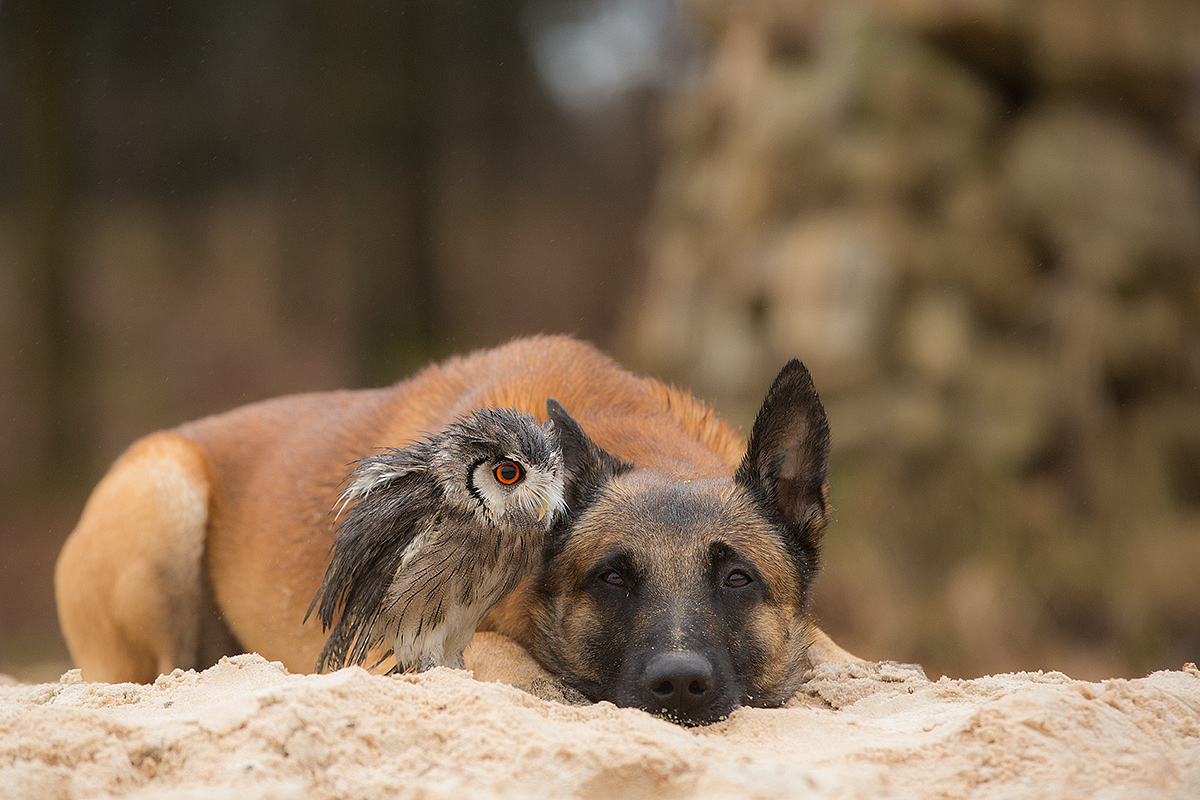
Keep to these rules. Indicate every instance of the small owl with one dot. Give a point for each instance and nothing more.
(436, 534)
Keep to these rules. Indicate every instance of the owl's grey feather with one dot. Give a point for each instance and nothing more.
(431, 540)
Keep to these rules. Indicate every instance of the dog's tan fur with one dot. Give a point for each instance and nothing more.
(212, 537)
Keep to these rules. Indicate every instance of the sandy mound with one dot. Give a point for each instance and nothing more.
(249, 729)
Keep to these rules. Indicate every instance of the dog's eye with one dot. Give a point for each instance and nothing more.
(737, 579)
(508, 472)
(612, 577)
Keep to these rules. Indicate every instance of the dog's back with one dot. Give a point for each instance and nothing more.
(214, 536)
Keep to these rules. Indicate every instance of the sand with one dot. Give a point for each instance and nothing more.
(248, 729)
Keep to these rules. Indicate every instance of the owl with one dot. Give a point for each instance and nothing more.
(434, 535)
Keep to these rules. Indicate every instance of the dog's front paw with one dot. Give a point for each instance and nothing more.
(896, 671)
(556, 691)
(494, 658)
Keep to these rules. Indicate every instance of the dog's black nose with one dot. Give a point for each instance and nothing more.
(679, 683)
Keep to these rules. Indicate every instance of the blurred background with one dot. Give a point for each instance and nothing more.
(976, 221)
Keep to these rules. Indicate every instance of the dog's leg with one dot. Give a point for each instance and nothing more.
(129, 581)
(823, 650)
(495, 658)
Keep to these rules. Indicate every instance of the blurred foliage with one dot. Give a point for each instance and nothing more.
(207, 203)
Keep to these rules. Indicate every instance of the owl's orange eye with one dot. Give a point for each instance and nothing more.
(508, 472)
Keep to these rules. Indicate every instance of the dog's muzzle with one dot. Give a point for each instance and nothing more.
(680, 685)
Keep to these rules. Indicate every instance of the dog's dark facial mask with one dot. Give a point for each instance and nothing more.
(689, 598)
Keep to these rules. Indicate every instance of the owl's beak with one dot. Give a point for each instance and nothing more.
(543, 506)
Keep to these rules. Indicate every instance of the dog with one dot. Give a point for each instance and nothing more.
(678, 580)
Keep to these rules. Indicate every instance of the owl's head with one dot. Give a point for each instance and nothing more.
(501, 465)
(497, 464)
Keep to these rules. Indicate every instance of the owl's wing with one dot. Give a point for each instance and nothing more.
(394, 498)
(381, 469)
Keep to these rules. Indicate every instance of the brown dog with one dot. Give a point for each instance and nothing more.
(678, 582)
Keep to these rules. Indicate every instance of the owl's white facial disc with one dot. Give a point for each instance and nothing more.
(535, 497)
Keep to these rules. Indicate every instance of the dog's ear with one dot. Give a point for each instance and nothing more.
(587, 465)
(787, 459)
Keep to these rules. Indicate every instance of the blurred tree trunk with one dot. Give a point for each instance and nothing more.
(419, 88)
(378, 78)
(38, 43)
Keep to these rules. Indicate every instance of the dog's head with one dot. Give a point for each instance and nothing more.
(688, 598)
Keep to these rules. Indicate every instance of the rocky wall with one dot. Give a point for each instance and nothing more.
(978, 223)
